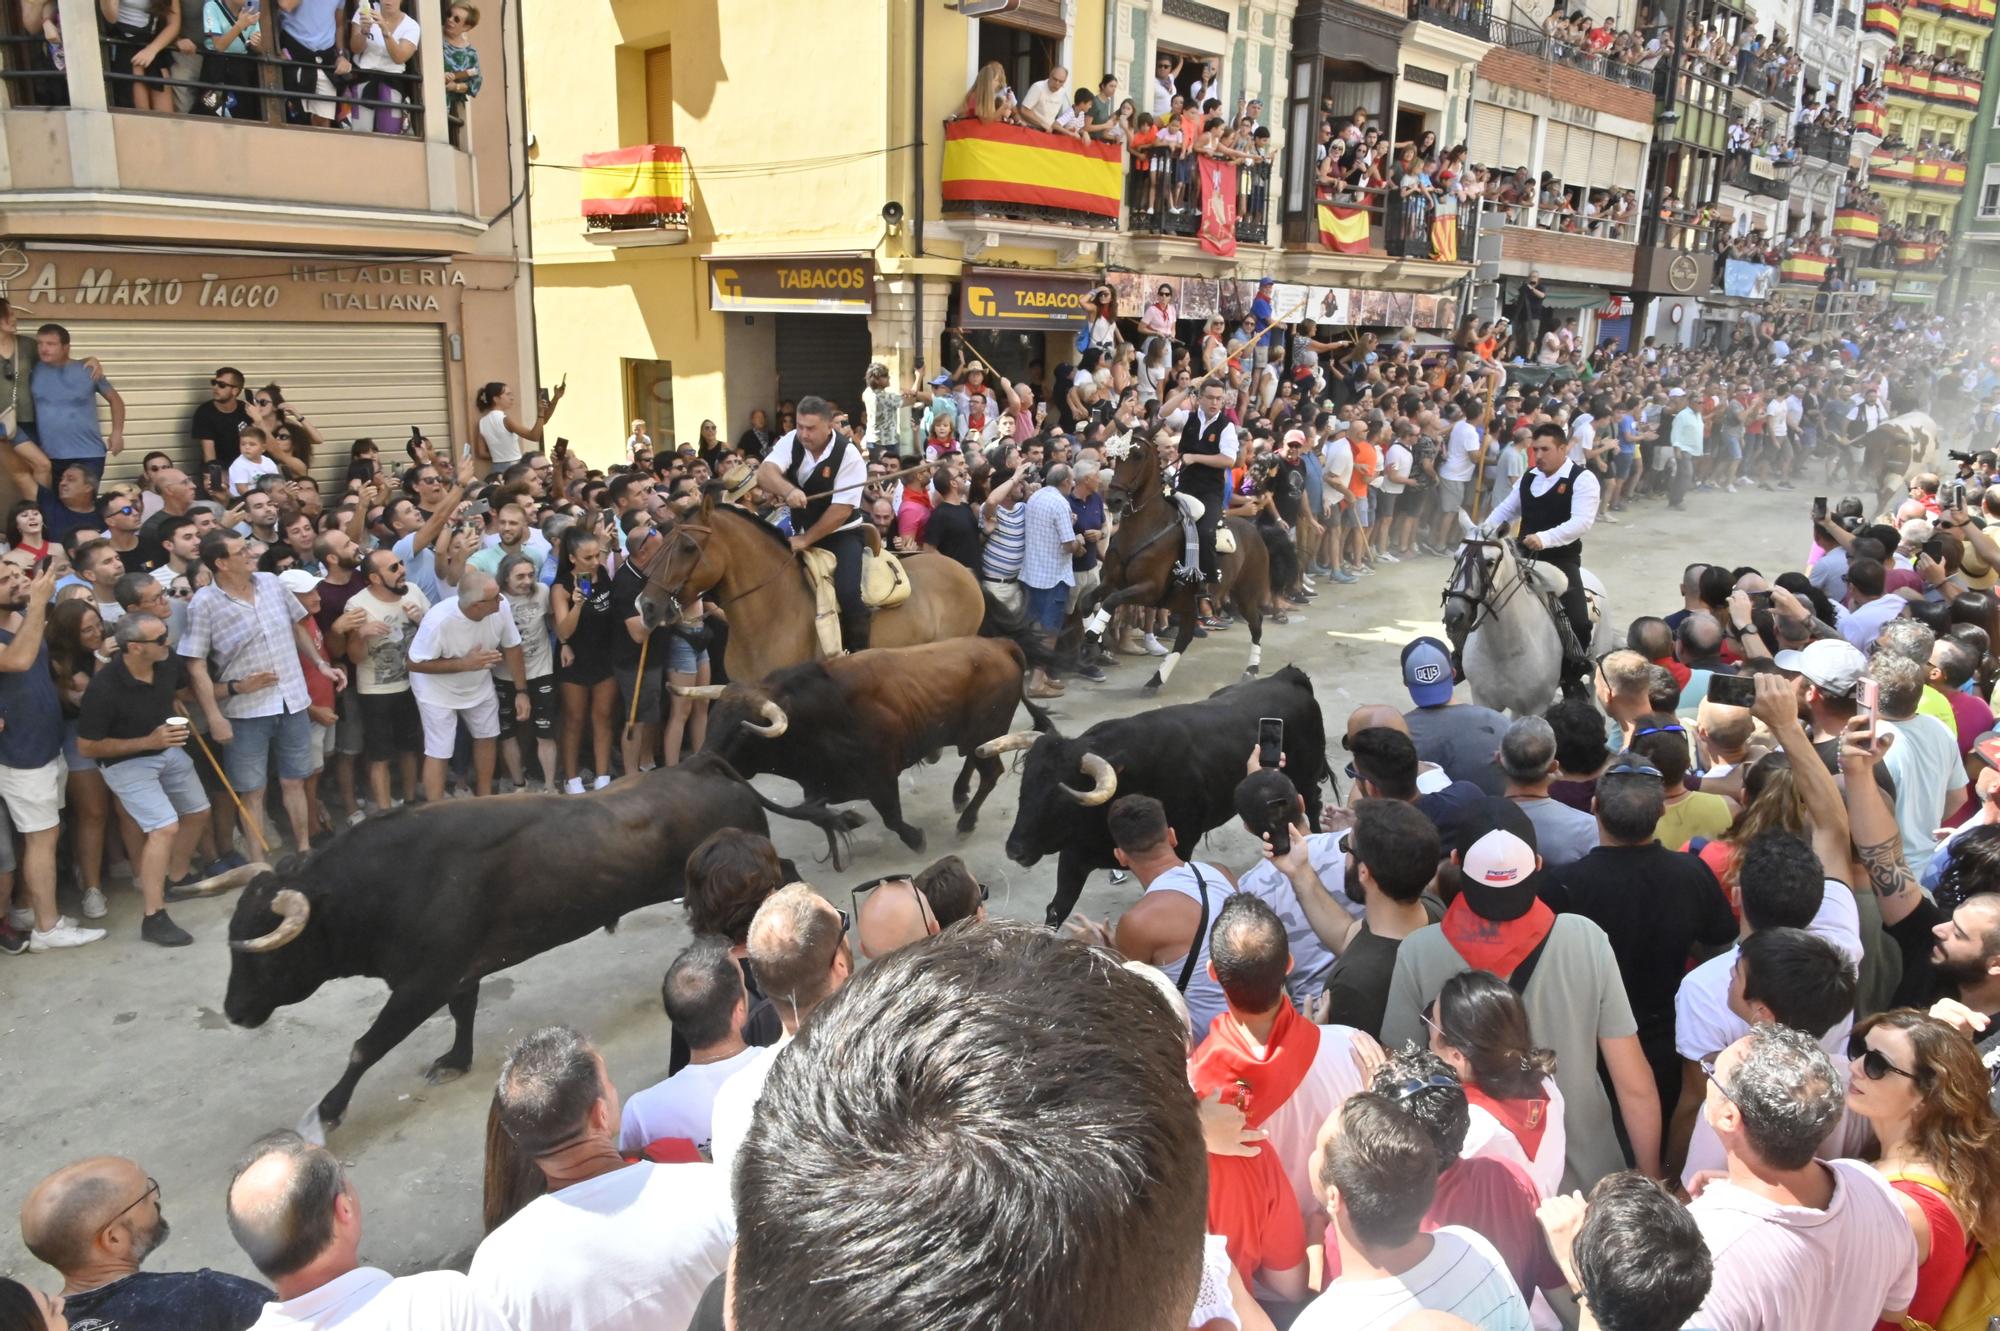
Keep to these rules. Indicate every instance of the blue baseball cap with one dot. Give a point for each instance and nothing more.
(1427, 672)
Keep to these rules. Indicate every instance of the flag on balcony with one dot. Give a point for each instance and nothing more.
(1806, 269)
(1218, 205)
(1954, 173)
(1883, 18)
(994, 163)
(1911, 254)
(650, 178)
(1343, 229)
(1928, 173)
(1869, 120)
(1854, 224)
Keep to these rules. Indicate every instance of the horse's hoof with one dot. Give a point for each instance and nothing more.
(1249, 673)
(1153, 684)
(442, 1072)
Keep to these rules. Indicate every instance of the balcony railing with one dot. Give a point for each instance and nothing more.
(1845, 20)
(1770, 85)
(1857, 226)
(1474, 18)
(1825, 143)
(1759, 176)
(1534, 42)
(1377, 222)
(1163, 197)
(1870, 119)
(629, 192)
(1955, 90)
(1920, 169)
(1561, 218)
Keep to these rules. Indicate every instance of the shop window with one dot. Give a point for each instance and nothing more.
(649, 397)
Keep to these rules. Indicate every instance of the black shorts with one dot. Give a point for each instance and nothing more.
(541, 707)
(390, 725)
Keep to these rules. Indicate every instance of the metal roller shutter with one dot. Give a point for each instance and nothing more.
(1555, 142)
(351, 380)
(1575, 169)
(825, 355)
(1517, 139)
(1483, 140)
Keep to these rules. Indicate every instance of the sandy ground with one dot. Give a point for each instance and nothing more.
(121, 1048)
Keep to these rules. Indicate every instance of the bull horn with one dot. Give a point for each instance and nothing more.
(293, 910)
(1103, 774)
(224, 882)
(1020, 739)
(706, 692)
(774, 715)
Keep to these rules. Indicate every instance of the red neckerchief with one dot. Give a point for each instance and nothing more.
(1525, 1119)
(1227, 1057)
(1496, 946)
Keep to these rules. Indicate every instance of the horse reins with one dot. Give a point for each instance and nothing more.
(1487, 601)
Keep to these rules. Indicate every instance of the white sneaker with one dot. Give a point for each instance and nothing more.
(1153, 646)
(354, 819)
(1387, 558)
(573, 786)
(93, 904)
(22, 918)
(67, 933)
(603, 780)
(1732, 489)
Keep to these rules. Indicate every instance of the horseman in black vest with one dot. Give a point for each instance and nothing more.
(819, 474)
(1556, 504)
(1208, 450)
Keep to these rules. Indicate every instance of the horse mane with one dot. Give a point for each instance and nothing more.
(738, 511)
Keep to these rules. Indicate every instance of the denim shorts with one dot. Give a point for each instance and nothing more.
(157, 789)
(682, 658)
(247, 760)
(1047, 606)
(1621, 466)
(74, 755)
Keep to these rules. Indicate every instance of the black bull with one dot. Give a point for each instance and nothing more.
(431, 900)
(1190, 757)
(846, 728)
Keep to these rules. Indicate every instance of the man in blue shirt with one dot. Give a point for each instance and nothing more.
(66, 406)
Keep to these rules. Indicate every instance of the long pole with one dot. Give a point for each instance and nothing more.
(251, 824)
(1479, 476)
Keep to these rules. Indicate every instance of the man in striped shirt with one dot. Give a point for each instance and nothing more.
(1004, 516)
(1047, 565)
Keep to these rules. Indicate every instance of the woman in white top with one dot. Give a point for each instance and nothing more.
(528, 602)
(383, 40)
(1479, 1026)
(498, 444)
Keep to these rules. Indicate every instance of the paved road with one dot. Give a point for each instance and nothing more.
(123, 1049)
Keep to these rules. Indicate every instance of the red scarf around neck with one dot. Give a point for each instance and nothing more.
(1499, 946)
(1272, 1074)
(1526, 1120)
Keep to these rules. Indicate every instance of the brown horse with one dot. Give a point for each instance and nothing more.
(754, 575)
(1139, 565)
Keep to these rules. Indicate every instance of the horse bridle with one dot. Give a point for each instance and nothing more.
(1487, 600)
(672, 535)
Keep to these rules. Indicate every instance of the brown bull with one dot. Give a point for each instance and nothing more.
(845, 728)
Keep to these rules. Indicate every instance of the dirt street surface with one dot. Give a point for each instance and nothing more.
(122, 1048)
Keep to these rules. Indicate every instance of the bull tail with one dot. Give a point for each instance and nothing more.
(1000, 622)
(1041, 720)
(835, 823)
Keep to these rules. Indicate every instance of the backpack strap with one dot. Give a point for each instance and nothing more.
(1201, 932)
(1524, 972)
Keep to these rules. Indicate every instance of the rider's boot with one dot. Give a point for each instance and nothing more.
(854, 627)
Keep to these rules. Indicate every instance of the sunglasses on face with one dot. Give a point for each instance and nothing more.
(160, 641)
(223, 383)
(429, 480)
(1875, 1065)
(261, 401)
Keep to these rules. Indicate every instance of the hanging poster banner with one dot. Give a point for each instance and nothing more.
(1218, 206)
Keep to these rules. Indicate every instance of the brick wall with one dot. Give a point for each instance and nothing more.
(1566, 83)
(1610, 262)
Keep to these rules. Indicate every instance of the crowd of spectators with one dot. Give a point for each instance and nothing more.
(206, 58)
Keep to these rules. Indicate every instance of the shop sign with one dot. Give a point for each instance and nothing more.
(807, 284)
(111, 283)
(997, 298)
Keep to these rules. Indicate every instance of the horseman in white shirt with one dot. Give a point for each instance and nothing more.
(1556, 503)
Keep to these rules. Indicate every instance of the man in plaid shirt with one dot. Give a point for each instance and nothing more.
(244, 646)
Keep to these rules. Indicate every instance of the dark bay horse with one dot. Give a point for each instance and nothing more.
(752, 572)
(1139, 565)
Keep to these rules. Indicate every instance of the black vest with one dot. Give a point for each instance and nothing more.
(1207, 484)
(1551, 509)
(818, 482)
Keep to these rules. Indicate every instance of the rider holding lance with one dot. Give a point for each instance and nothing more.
(820, 474)
(1556, 503)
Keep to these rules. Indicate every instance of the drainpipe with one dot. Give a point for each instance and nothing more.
(917, 190)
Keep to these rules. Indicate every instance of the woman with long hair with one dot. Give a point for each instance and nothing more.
(24, 1308)
(270, 413)
(528, 602)
(1921, 1086)
(299, 535)
(580, 604)
(989, 99)
(291, 450)
(1479, 1025)
(383, 41)
(1771, 802)
(75, 637)
(497, 442)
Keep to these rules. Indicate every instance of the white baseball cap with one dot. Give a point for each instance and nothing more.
(1834, 666)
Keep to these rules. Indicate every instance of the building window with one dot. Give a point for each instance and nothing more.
(1026, 55)
(1989, 193)
(660, 95)
(649, 397)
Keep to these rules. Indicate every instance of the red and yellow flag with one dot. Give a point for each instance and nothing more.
(650, 178)
(1883, 17)
(1869, 120)
(1343, 229)
(1910, 253)
(1809, 269)
(1854, 224)
(993, 163)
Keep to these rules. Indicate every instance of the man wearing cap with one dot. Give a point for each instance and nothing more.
(1568, 978)
(1461, 737)
(1556, 503)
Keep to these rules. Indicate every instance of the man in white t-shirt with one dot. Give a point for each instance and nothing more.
(1462, 450)
(1376, 1170)
(800, 956)
(380, 621)
(1045, 101)
(1796, 1242)
(611, 1246)
(708, 1005)
(1293, 1072)
(292, 1209)
(451, 670)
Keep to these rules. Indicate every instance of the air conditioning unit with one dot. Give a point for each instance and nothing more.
(1487, 250)
(1487, 271)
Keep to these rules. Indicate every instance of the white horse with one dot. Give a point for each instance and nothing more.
(1496, 613)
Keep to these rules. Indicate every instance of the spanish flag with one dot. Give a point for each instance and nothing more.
(1883, 18)
(651, 178)
(1954, 174)
(1806, 269)
(1869, 120)
(1910, 253)
(1854, 224)
(1343, 229)
(994, 163)
(1929, 173)
(1888, 166)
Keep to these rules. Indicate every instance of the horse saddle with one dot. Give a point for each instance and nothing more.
(1551, 582)
(1191, 511)
(884, 584)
